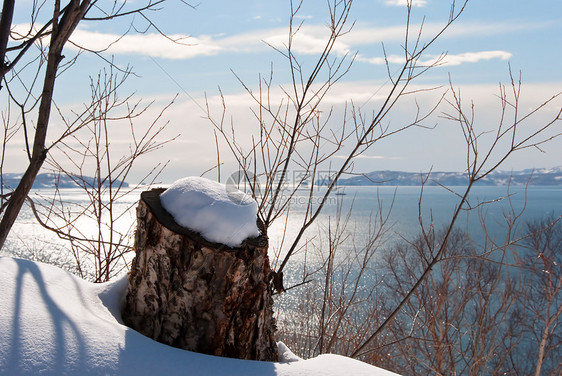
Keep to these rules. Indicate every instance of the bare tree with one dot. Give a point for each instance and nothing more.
(296, 134)
(39, 50)
(337, 304)
(460, 318)
(512, 134)
(543, 298)
(482, 310)
(63, 23)
(101, 255)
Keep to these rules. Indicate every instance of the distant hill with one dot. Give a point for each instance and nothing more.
(552, 176)
(50, 180)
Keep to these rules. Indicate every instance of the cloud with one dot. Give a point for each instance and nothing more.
(304, 17)
(469, 57)
(392, 59)
(362, 156)
(311, 39)
(448, 60)
(153, 44)
(176, 46)
(403, 3)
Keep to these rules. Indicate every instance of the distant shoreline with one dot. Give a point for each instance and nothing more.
(50, 180)
(536, 177)
(531, 177)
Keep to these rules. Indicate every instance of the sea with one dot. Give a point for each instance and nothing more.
(402, 209)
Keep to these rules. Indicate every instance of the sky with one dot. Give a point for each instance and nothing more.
(224, 45)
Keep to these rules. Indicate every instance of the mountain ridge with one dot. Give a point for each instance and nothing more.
(543, 176)
(51, 180)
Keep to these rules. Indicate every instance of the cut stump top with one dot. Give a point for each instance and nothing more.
(152, 199)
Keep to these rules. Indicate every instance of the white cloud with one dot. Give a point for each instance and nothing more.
(147, 44)
(470, 57)
(362, 156)
(310, 39)
(403, 3)
(392, 59)
(304, 17)
(448, 60)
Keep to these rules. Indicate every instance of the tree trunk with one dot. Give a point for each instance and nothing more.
(190, 293)
(5, 27)
(62, 30)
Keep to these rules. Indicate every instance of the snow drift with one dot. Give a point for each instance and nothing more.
(53, 323)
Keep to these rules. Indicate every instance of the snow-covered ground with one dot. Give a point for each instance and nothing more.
(53, 323)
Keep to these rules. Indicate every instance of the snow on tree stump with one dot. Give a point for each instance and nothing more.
(188, 292)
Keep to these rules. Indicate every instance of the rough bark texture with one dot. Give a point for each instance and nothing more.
(62, 30)
(196, 295)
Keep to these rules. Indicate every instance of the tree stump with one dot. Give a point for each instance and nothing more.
(187, 292)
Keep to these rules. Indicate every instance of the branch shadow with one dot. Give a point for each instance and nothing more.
(62, 341)
(40, 334)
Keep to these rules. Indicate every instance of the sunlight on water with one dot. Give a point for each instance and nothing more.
(29, 239)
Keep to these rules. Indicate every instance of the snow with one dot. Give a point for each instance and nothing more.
(220, 213)
(53, 323)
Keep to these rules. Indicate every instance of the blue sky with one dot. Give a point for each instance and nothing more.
(224, 36)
